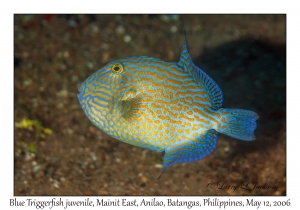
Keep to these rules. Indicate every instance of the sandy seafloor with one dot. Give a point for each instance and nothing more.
(53, 54)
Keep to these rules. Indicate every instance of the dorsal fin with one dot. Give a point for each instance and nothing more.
(213, 90)
(185, 58)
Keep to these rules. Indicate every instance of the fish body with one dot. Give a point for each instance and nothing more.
(170, 107)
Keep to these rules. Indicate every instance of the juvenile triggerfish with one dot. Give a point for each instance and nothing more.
(170, 107)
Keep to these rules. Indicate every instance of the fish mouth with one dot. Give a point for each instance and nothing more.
(80, 90)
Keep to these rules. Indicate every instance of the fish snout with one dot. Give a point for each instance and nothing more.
(81, 91)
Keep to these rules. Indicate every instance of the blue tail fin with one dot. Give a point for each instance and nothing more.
(238, 123)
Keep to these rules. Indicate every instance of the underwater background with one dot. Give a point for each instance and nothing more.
(57, 151)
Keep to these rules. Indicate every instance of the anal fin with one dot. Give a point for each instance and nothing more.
(191, 151)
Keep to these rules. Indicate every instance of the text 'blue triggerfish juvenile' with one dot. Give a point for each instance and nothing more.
(170, 107)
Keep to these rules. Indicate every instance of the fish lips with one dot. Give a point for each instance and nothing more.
(81, 91)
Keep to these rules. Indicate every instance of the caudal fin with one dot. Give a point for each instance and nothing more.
(238, 123)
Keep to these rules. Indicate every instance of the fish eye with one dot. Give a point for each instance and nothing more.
(117, 68)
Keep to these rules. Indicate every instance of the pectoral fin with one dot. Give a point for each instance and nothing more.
(130, 104)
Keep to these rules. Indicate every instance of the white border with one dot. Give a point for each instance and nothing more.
(8, 8)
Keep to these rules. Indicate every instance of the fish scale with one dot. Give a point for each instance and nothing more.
(170, 107)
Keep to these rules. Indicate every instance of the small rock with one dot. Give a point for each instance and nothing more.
(72, 23)
(90, 65)
(95, 29)
(158, 165)
(92, 129)
(41, 89)
(62, 93)
(60, 105)
(28, 157)
(66, 54)
(167, 18)
(36, 169)
(277, 193)
(27, 82)
(120, 30)
(174, 29)
(74, 78)
(56, 184)
(94, 157)
(127, 38)
(144, 179)
(103, 192)
(62, 179)
(69, 131)
(226, 149)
